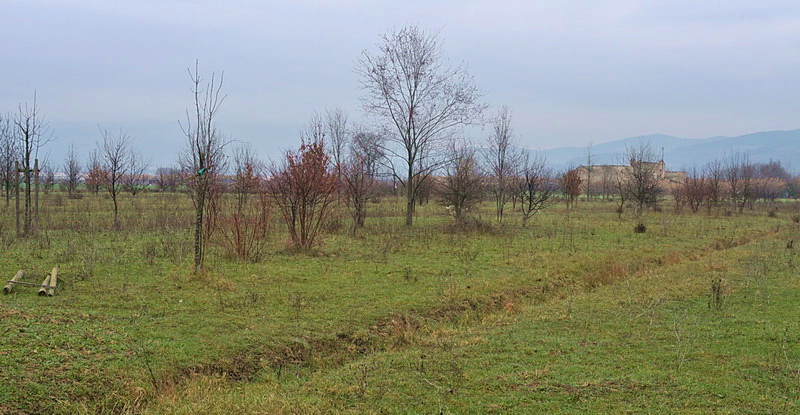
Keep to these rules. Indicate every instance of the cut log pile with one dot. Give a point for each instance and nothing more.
(46, 288)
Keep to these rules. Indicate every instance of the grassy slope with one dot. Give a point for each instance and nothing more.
(127, 306)
(650, 344)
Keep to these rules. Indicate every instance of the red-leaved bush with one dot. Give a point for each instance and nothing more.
(304, 188)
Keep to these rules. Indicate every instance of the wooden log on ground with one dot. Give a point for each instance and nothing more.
(45, 286)
(17, 276)
(53, 282)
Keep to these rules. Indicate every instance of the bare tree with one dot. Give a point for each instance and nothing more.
(359, 173)
(167, 178)
(606, 183)
(770, 181)
(739, 174)
(115, 159)
(534, 187)
(463, 185)
(769, 189)
(336, 124)
(32, 134)
(9, 154)
(641, 181)
(359, 185)
(714, 173)
(135, 181)
(502, 160)
(94, 173)
(48, 175)
(204, 155)
(571, 186)
(695, 189)
(245, 225)
(72, 171)
(368, 145)
(410, 86)
(589, 171)
(246, 175)
(620, 185)
(315, 131)
(679, 192)
(772, 169)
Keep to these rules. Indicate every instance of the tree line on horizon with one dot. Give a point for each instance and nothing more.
(419, 105)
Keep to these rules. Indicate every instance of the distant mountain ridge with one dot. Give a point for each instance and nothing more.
(685, 153)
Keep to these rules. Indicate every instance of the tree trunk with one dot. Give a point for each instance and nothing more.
(198, 228)
(27, 220)
(116, 210)
(409, 199)
(35, 221)
(16, 196)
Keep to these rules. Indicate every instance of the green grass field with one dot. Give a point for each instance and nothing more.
(574, 314)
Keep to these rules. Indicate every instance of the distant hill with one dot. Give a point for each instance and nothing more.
(685, 153)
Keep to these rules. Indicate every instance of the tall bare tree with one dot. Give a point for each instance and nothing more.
(410, 86)
(9, 154)
(115, 162)
(502, 160)
(32, 134)
(204, 156)
(72, 171)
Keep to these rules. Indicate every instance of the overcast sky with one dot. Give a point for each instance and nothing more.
(572, 72)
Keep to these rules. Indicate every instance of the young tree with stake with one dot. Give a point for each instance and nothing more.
(9, 155)
(32, 133)
(204, 156)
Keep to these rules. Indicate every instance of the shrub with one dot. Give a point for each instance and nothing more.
(303, 189)
(244, 232)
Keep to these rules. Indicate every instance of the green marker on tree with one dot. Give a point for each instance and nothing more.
(202, 171)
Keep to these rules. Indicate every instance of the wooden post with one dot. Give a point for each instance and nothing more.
(35, 195)
(45, 284)
(9, 286)
(53, 282)
(16, 194)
